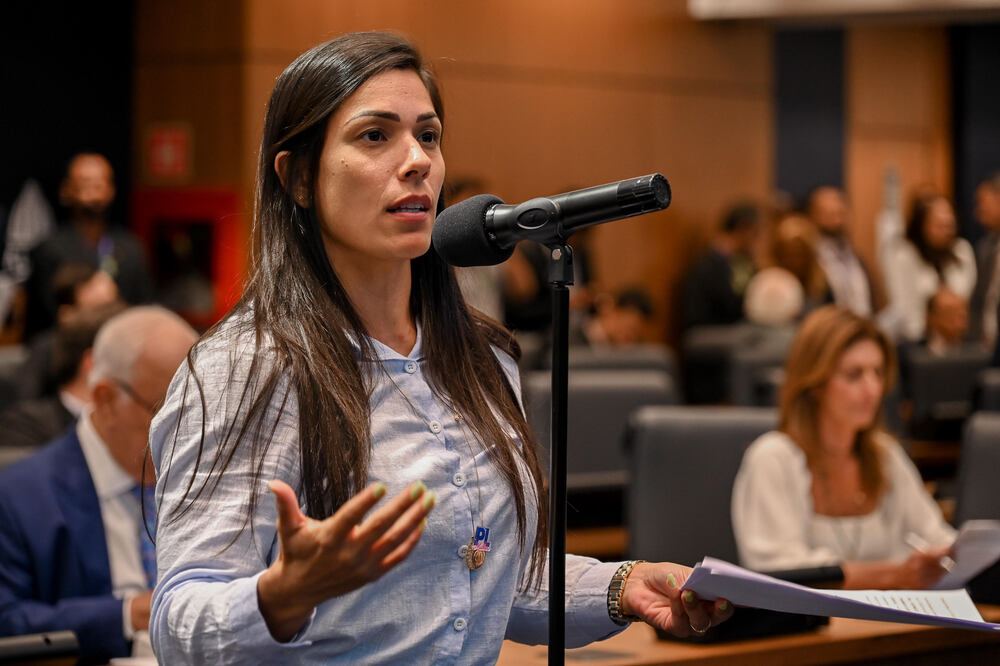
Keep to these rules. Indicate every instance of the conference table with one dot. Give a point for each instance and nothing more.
(843, 641)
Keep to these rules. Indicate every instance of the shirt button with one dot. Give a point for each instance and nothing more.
(435, 427)
(458, 479)
(411, 367)
(459, 624)
(463, 550)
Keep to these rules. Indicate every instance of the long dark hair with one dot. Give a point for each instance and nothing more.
(920, 210)
(303, 321)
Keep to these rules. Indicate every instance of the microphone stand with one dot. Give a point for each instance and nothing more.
(560, 278)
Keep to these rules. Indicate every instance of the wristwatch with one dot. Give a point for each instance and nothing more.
(615, 590)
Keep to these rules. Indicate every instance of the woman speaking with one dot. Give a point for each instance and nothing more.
(352, 382)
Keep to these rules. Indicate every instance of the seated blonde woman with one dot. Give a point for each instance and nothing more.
(830, 486)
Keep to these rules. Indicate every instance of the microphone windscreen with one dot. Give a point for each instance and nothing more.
(459, 234)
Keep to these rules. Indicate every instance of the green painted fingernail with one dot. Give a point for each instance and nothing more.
(429, 500)
(688, 596)
(417, 489)
(672, 581)
(378, 490)
(724, 605)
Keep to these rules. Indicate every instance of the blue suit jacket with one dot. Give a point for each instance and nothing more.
(54, 570)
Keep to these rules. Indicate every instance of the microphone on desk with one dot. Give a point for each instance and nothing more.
(483, 230)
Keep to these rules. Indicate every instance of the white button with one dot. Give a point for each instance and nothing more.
(463, 550)
(458, 479)
(411, 367)
(459, 624)
(435, 427)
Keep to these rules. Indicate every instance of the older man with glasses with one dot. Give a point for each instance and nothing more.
(76, 518)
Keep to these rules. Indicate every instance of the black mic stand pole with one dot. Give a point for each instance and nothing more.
(560, 278)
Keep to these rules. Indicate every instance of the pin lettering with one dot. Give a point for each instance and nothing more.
(482, 539)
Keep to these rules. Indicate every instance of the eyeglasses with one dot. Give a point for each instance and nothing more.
(125, 386)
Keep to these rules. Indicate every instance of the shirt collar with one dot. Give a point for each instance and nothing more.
(384, 352)
(72, 404)
(110, 480)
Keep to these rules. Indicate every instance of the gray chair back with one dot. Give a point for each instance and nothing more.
(599, 403)
(942, 388)
(978, 493)
(533, 350)
(756, 375)
(706, 352)
(637, 357)
(683, 463)
(989, 390)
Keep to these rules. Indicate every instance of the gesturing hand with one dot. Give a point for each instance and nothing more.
(320, 559)
(653, 592)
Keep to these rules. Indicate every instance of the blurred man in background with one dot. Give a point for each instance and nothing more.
(32, 422)
(74, 550)
(986, 296)
(618, 320)
(846, 275)
(89, 238)
(947, 322)
(715, 285)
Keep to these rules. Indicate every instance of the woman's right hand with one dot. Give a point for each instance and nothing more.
(921, 569)
(321, 559)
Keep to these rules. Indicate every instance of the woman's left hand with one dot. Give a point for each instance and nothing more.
(653, 593)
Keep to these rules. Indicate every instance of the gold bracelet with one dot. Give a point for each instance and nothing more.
(615, 590)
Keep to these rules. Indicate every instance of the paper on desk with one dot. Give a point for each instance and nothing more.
(713, 579)
(976, 547)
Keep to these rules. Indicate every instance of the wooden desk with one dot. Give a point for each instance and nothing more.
(843, 641)
(600, 542)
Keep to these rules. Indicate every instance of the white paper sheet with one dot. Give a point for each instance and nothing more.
(976, 547)
(713, 579)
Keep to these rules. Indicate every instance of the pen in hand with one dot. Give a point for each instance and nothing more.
(917, 543)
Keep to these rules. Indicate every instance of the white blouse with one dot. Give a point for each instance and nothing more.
(910, 281)
(776, 526)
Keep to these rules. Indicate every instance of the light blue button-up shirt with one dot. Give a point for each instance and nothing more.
(429, 609)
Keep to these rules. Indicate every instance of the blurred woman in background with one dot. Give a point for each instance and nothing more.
(830, 486)
(930, 256)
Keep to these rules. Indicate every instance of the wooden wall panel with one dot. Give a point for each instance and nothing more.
(189, 62)
(546, 96)
(578, 136)
(649, 38)
(258, 80)
(189, 28)
(543, 96)
(898, 115)
(164, 94)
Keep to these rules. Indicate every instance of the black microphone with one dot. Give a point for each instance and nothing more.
(482, 230)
